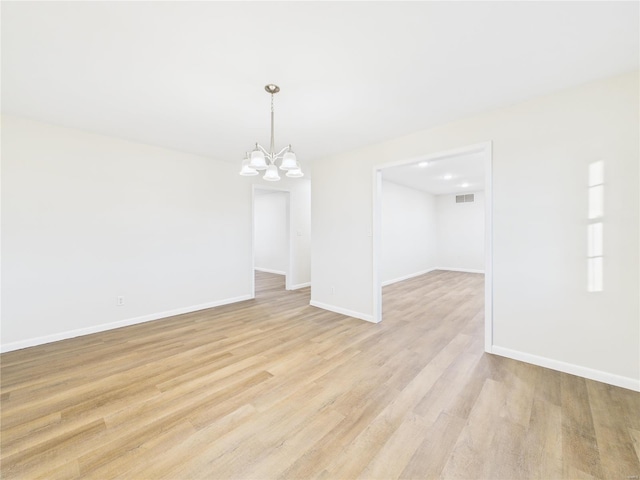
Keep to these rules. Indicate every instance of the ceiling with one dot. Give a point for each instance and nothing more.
(462, 173)
(190, 75)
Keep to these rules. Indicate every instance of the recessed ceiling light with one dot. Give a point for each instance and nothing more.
(423, 164)
(448, 176)
(464, 185)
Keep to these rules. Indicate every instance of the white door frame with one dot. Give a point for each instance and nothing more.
(289, 268)
(484, 148)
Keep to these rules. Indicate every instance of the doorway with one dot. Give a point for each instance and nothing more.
(271, 244)
(460, 188)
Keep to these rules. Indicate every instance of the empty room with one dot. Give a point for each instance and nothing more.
(376, 240)
(432, 226)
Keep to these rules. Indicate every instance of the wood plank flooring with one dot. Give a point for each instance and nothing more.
(274, 388)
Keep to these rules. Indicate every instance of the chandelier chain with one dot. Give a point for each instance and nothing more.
(272, 135)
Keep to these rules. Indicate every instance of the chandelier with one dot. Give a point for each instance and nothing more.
(261, 159)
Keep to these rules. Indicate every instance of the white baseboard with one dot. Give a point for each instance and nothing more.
(597, 375)
(466, 270)
(343, 311)
(407, 277)
(31, 342)
(300, 285)
(269, 270)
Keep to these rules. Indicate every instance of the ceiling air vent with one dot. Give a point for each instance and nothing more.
(468, 198)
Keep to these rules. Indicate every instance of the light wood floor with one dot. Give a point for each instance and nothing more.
(274, 388)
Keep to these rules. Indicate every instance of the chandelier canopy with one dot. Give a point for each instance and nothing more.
(261, 159)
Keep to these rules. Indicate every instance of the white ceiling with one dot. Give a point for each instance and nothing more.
(462, 173)
(190, 75)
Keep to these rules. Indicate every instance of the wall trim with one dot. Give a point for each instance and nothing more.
(466, 270)
(585, 372)
(300, 285)
(407, 277)
(343, 311)
(269, 270)
(55, 337)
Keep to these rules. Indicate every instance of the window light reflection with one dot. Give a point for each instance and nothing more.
(595, 227)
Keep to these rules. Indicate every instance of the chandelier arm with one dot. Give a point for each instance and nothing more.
(281, 152)
(267, 154)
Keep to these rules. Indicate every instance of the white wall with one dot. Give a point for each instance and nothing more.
(541, 152)
(460, 233)
(271, 232)
(408, 233)
(87, 218)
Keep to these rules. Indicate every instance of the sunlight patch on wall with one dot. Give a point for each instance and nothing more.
(595, 228)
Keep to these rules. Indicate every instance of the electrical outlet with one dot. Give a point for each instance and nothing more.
(119, 301)
(333, 290)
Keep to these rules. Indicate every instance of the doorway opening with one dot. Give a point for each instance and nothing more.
(272, 259)
(452, 232)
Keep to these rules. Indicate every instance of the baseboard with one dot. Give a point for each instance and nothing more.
(466, 270)
(268, 270)
(32, 342)
(407, 277)
(343, 311)
(300, 285)
(591, 374)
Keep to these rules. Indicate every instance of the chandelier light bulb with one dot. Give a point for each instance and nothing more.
(289, 161)
(295, 173)
(247, 170)
(271, 175)
(258, 161)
